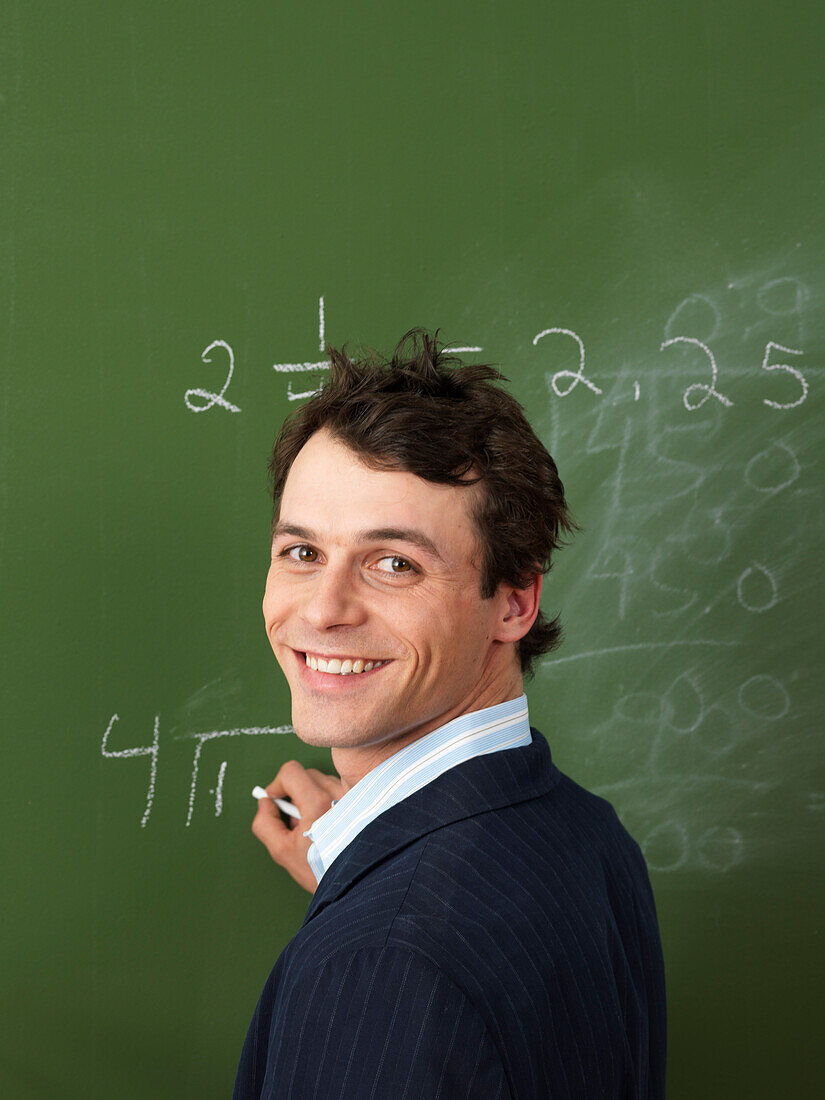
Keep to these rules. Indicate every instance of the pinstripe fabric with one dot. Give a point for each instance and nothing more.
(493, 935)
(503, 726)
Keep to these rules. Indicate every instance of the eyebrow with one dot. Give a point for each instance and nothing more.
(377, 534)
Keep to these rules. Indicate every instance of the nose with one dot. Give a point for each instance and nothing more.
(332, 600)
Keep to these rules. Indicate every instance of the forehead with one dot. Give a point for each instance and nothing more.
(329, 489)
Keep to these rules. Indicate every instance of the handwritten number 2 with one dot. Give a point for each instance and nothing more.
(210, 398)
(699, 387)
(574, 376)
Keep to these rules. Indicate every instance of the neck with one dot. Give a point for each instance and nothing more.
(352, 764)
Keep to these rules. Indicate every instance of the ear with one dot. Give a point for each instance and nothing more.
(520, 608)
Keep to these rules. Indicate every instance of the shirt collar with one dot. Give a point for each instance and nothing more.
(503, 726)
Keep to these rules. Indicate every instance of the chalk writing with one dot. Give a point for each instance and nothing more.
(764, 697)
(574, 376)
(323, 364)
(218, 791)
(783, 297)
(697, 308)
(211, 399)
(778, 298)
(146, 750)
(200, 740)
(699, 387)
(753, 595)
(768, 464)
(692, 448)
(797, 374)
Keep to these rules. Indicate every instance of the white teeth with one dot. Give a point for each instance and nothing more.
(336, 666)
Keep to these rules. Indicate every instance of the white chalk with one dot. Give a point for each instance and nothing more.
(281, 803)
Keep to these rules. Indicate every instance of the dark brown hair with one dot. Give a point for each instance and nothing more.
(427, 413)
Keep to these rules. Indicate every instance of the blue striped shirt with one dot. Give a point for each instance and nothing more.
(503, 726)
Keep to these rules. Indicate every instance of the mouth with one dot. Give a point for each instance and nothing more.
(336, 673)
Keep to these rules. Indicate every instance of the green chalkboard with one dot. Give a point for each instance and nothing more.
(621, 205)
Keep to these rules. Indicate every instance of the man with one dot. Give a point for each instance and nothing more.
(482, 926)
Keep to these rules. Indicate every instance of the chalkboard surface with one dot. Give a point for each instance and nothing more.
(621, 205)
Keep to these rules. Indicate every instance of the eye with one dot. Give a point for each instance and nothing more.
(302, 547)
(393, 558)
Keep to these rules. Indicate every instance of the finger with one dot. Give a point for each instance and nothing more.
(269, 828)
(295, 783)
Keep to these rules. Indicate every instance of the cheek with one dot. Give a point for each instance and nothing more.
(471, 633)
(447, 633)
(273, 605)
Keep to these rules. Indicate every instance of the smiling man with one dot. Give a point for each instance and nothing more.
(480, 925)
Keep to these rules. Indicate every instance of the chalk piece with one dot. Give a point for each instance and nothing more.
(281, 803)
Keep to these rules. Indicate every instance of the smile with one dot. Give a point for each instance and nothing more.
(341, 666)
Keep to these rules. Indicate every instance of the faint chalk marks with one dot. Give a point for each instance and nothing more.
(610, 433)
(697, 313)
(720, 848)
(688, 595)
(614, 563)
(643, 707)
(707, 543)
(666, 846)
(756, 589)
(783, 297)
(773, 469)
(683, 706)
(718, 733)
(680, 477)
(764, 697)
(608, 650)
(214, 695)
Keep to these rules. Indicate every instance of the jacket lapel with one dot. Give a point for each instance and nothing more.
(484, 783)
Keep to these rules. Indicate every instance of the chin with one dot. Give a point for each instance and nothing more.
(316, 730)
(320, 732)
(312, 736)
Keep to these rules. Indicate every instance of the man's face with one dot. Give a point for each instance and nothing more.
(338, 587)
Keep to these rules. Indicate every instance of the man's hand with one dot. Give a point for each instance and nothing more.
(312, 793)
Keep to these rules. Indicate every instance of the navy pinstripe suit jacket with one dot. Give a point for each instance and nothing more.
(493, 935)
